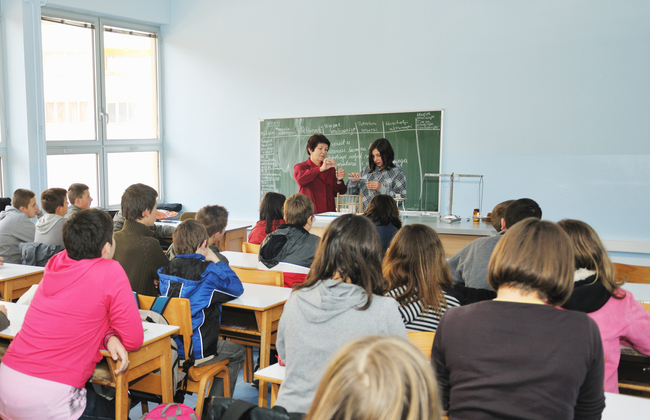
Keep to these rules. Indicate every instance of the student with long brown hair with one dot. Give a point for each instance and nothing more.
(518, 356)
(341, 300)
(618, 315)
(419, 278)
(377, 378)
(270, 217)
(383, 213)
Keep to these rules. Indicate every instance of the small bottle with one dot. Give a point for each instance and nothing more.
(477, 216)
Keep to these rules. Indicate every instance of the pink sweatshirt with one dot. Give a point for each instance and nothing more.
(621, 321)
(76, 304)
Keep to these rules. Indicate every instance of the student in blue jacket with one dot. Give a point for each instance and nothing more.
(197, 274)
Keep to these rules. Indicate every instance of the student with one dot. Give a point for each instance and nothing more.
(377, 377)
(518, 356)
(79, 196)
(49, 228)
(498, 214)
(341, 300)
(4, 321)
(215, 219)
(138, 252)
(470, 265)
(83, 304)
(271, 217)
(620, 318)
(292, 243)
(15, 226)
(418, 277)
(198, 275)
(383, 213)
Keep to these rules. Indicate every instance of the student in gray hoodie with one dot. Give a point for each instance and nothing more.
(49, 228)
(15, 226)
(340, 301)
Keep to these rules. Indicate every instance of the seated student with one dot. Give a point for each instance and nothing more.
(15, 226)
(620, 318)
(469, 266)
(79, 196)
(292, 243)
(377, 377)
(138, 252)
(341, 300)
(382, 211)
(4, 321)
(498, 214)
(83, 304)
(215, 219)
(418, 277)
(271, 217)
(49, 228)
(197, 274)
(518, 356)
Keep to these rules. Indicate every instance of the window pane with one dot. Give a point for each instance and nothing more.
(68, 78)
(63, 170)
(125, 169)
(131, 75)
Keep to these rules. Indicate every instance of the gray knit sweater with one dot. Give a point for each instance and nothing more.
(15, 227)
(469, 266)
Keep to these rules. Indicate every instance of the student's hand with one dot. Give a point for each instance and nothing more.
(327, 164)
(373, 185)
(211, 256)
(3, 309)
(354, 176)
(117, 351)
(340, 174)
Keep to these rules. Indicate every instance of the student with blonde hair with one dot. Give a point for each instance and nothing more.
(377, 378)
(619, 316)
(518, 356)
(341, 300)
(418, 277)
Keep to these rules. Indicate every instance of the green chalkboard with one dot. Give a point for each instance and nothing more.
(415, 137)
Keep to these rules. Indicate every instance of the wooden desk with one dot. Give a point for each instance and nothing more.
(454, 236)
(235, 236)
(619, 406)
(273, 374)
(244, 260)
(155, 353)
(16, 279)
(253, 318)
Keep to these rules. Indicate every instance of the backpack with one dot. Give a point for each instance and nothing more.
(171, 411)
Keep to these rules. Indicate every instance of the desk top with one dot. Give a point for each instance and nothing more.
(260, 297)
(463, 227)
(232, 224)
(10, 271)
(619, 406)
(245, 260)
(274, 373)
(640, 291)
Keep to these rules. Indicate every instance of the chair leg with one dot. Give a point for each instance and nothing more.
(248, 365)
(145, 407)
(206, 383)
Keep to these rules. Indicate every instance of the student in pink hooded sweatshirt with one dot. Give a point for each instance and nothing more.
(83, 304)
(620, 318)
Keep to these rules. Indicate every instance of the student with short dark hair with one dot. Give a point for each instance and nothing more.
(198, 275)
(341, 300)
(49, 228)
(15, 226)
(271, 217)
(383, 213)
(292, 243)
(137, 251)
(215, 219)
(498, 214)
(79, 197)
(518, 356)
(84, 303)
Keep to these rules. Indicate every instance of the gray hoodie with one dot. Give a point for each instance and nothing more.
(316, 323)
(49, 229)
(15, 227)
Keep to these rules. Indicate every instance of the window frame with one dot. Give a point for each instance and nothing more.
(102, 146)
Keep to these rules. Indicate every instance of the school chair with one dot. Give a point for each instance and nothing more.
(249, 248)
(423, 340)
(349, 203)
(253, 275)
(632, 273)
(187, 215)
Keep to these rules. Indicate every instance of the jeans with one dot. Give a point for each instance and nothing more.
(236, 353)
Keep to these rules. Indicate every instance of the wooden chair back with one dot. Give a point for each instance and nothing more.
(188, 215)
(423, 340)
(351, 203)
(177, 313)
(252, 275)
(249, 248)
(632, 273)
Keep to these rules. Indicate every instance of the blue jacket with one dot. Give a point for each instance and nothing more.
(206, 285)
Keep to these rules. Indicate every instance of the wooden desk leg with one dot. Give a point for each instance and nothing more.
(166, 372)
(7, 291)
(122, 401)
(266, 325)
(274, 393)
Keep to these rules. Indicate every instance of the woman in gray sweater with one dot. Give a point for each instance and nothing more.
(340, 301)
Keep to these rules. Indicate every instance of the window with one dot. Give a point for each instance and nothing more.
(101, 84)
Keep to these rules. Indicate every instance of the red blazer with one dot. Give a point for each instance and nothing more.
(321, 188)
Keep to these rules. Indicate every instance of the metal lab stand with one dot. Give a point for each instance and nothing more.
(451, 218)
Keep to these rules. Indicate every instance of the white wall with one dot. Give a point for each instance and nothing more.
(547, 99)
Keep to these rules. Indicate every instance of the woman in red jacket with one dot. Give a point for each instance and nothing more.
(317, 177)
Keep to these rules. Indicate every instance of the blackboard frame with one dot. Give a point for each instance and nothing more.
(416, 137)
